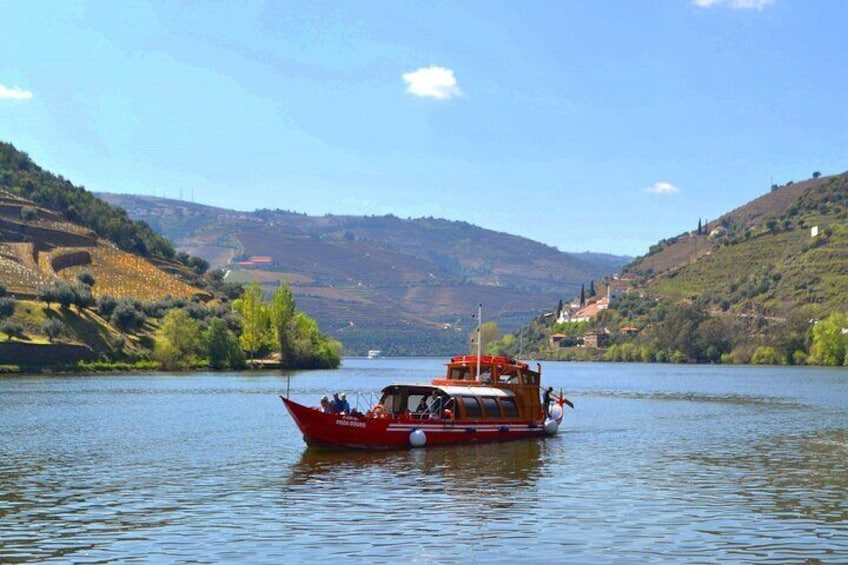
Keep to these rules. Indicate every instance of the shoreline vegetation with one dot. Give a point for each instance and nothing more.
(237, 330)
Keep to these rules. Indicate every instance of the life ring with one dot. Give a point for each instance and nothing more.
(378, 411)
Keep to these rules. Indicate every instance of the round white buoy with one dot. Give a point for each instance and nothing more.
(556, 411)
(551, 427)
(417, 438)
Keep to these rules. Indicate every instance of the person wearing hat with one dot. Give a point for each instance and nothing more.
(343, 407)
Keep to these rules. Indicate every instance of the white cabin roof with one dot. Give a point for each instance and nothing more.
(460, 390)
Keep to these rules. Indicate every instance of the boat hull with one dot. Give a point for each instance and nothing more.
(372, 432)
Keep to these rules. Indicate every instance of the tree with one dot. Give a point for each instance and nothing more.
(591, 289)
(816, 175)
(489, 334)
(29, 214)
(11, 329)
(7, 307)
(177, 340)
(52, 328)
(82, 296)
(282, 316)
(255, 322)
(829, 342)
(222, 346)
(312, 350)
(86, 278)
(127, 315)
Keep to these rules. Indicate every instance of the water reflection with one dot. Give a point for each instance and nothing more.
(456, 468)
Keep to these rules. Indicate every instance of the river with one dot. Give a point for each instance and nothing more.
(657, 464)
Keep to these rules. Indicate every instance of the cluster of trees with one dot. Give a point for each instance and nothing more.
(688, 332)
(189, 333)
(276, 326)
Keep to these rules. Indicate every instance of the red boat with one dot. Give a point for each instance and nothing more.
(481, 398)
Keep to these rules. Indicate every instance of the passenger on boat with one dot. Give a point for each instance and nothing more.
(422, 406)
(547, 399)
(435, 404)
(325, 404)
(335, 404)
(343, 405)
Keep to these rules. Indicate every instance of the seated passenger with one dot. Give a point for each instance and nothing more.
(335, 404)
(343, 406)
(325, 404)
(422, 406)
(435, 405)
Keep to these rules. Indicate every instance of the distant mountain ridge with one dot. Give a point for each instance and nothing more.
(379, 282)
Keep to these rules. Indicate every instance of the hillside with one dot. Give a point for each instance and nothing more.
(379, 282)
(751, 286)
(763, 258)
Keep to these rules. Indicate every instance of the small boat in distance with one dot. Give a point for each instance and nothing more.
(374, 353)
(481, 398)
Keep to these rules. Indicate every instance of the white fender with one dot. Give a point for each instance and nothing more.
(551, 427)
(417, 438)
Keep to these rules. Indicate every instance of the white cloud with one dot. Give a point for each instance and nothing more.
(735, 4)
(663, 188)
(14, 93)
(432, 82)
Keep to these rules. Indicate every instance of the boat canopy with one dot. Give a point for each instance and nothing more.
(451, 390)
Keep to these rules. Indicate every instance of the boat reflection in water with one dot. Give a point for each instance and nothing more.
(497, 470)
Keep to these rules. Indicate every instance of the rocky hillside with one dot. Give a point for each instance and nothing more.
(379, 282)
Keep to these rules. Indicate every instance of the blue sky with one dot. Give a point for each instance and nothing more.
(587, 125)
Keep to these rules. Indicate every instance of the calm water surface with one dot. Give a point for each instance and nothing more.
(672, 464)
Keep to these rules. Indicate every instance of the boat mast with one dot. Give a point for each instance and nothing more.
(479, 336)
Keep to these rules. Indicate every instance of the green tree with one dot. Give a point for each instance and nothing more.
(52, 328)
(222, 346)
(177, 340)
(282, 316)
(489, 335)
(7, 307)
(829, 342)
(127, 315)
(255, 321)
(312, 350)
(11, 329)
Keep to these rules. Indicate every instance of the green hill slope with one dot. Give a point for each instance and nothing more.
(748, 287)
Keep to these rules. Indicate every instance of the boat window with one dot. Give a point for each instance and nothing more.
(471, 407)
(414, 402)
(459, 373)
(509, 376)
(388, 402)
(510, 408)
(530, 378)
(490, 407)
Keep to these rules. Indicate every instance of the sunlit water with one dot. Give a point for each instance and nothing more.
(657, 463)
